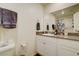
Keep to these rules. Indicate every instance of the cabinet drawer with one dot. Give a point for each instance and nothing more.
(50, 40)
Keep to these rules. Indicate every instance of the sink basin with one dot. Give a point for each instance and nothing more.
(49, 34)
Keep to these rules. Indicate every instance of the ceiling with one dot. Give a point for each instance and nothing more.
(44, 4)
(67, 11)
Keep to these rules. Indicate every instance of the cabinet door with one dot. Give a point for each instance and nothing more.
(67, 47)
(50, 46)
(40, 45)
(65, 51)
(46, 46)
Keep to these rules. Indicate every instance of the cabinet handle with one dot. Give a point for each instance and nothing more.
(77, 53)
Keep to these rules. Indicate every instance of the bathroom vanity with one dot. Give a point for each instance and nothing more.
(56, 45)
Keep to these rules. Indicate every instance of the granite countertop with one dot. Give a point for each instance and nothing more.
(74, 38)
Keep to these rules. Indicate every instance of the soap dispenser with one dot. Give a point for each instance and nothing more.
(38, 25)
(47, 27)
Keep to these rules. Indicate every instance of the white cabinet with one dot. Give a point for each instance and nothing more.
(76, 21)
(40, 45)
(46, 46)
(66, 51)
(50, 46)
(67, 47)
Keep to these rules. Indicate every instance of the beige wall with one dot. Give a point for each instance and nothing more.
(48, 19)
(26, 25)
(8, 34)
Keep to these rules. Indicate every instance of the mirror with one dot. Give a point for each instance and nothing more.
(66, 16)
